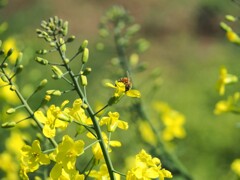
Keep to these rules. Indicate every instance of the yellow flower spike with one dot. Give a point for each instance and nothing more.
(32, 157)
(147, 168)
(113, 122)
(224, 79)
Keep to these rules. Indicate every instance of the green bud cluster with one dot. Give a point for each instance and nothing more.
(52, 28)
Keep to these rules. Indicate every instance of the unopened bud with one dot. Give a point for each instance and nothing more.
(11, 111)
(66, 60)
(85, 55)
(63, 47)
(42, 51)
(10, 51)
(41, 60)
(19, 69)
(8, 125)
(230, 18)
(54, 92)
(84, 80)
(65, 28)
(87, 71)
(71, 38)
(42, 84)
(57, 72)
(83, 46)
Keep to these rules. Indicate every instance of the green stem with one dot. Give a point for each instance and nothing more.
(92, 116)
(28, 108)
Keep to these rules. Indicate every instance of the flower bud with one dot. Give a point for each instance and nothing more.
(63, 47)
(5, 65)
(54, 92)
(230, 18)
(10, 51)
(57, 72)
(42, 84)
(42, 51)
(41, 60)
(83, 45)
(85, 55)
(11, 111)
(65, 28)
(70, 39)
(87, 71)
(66, 60)
(84, 80)
(19, 69)
(8, 125)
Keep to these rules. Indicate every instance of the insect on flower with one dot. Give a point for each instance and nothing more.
(127, 82)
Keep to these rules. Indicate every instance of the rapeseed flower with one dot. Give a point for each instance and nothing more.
(224, 79)
(147, 168)
(51, 121)
(112, 121)
(32, 157)
(102, 174)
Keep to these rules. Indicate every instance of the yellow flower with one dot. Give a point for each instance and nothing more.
(120, 91)
(147, 168)
(173, 122)
(67, 152)
(97, 151)
(235, 166)
(228, 105)
(113, 122)
(77, 112)
(7, 45)
(224, 79)
(51, 121)
(58, 172)
(32, 157)
(102, 174)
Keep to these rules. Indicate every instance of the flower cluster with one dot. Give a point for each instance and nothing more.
(147, 168)
(172, 120)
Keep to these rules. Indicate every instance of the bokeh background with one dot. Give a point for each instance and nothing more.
(187, 47)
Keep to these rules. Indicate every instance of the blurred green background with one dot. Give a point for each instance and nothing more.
(187, 46)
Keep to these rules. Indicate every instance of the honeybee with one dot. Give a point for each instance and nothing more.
(127, 82)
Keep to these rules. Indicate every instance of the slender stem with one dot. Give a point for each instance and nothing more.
(92, 116)
(28, 108)
(104, 107)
